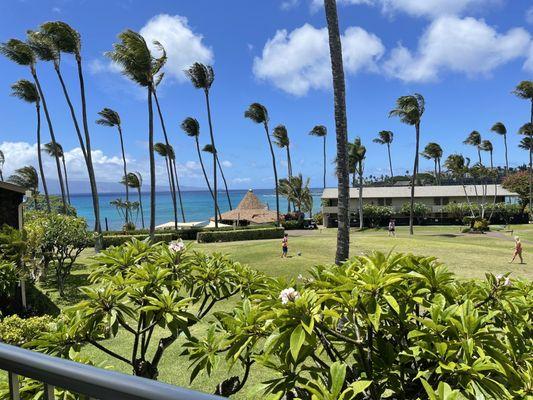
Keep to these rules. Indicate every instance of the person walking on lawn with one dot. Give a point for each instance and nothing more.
(285, 246)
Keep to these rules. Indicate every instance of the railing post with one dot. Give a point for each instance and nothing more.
(14, 390)
(48, 392)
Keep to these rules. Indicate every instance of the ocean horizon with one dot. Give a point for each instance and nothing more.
(197, 204)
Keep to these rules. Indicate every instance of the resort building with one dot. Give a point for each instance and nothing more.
(435, 197)
(11, 198)
(250, 211)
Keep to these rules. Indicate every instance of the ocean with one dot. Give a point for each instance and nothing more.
(198, 206)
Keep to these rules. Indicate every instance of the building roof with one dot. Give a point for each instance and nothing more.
(250, 209)
(251, 202)
(12, 187)
(420, 191)
(186, 225)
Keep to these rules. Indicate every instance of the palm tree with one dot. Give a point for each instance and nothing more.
(433, 151)
(321, 131)
(137, 63)
(192, 128)
(474, 139)
(281, 139)
(27, 178)
(386, 137)
(202, 77)
(27, 91)
(135, 181)
(209, 149)
(410, 110)
(172, 160)
(68, 40)
(163, 150)
(527, 131)
(111, 118)
(457, 166)
(524, 90)
(500, 129)
(296, 189)
(57, 151)
(22, 54)
(357, 155)
(259, 114)
(486, 145)
(2, 161)
(341, 128)
(172, 164)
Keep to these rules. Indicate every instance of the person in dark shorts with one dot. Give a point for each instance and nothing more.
(392, 227)
(285, 246)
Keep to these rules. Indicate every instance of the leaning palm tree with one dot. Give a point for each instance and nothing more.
(209, 149)
(27, 91)
(67, 40)
(433, 151)
(163, 150)
(22, 54)
(135, 181)
(281, 139)
(357, 153)
(524, 90)
(57, 151)
(2, 161)
(474, 139)
(259, 114)
(296, 190)
(341, 128)
(174, 172)
(111, 118)
(501, 130)
(386, 137)
(457, 166)
(486, 145)
(192, 128)
(138, 64)
(527, 131)
(321, 131)
(410, 110)
(27, 178)
(202, 77)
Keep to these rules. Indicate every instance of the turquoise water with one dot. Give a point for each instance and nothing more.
(198, 206)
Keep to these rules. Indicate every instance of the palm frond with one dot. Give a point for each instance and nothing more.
(18, 51)
(109, 117)
(281, 136)
(524, 90)
(499, 128)
(191, 127)
(43, 47)
(409, 109)
(201, 76)
(25, 177)
(53, 150)
(208, 148)
(526, 129)
(25, 90)
(65, 38)
(257, 113)
(473, 139)
(319, 130)
(161, 149)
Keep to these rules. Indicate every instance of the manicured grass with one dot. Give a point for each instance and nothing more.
(469, 256)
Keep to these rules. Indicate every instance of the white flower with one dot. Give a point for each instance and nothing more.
(507, 282)
(289, 294)
(499, 277)
(300, 277)
(176, 246)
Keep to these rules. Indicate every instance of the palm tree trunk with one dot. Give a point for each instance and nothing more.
(275, 173)
(53, 139)
(531, 167)
(152, 163)
(289, 174)
(225, 183)
(413, 182)
(40, 158)
(125, 170)
(169, 174)
(141, 205)
(89, 160)
(203, 170)
(506, 155)
(440, 172)
(479, 156)
(339, 94)
(324, 162)
(435, 170)
(215, 183)
(66, 177)
(171, 160)
(361, 216)
(176, 178)
(390, 161)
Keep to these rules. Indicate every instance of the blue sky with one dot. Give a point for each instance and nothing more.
(464, 56)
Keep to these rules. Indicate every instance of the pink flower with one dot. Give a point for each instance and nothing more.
(176, 246)
(289, 294)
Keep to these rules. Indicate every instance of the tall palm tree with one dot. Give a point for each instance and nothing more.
(296, 189)
(474, 139)
(321, 131)
(341, 129)
(524, 90)
(2, 161)
(486, 145)
(57, 151)
(192, 128)
(27, 178)
(111, 118)
(457, 166)
(135, 181)
(281, 139)
(357, 155)
(209, 149)
(172, 160)
(27, 91)
(259, 114)
(172, 164)
(138, 64)
(22, 54)
(433, 151)
(501, 130)
(202, 77)
(386, 137)
(410, 110)
(526, 144)
(163, 151)
(68, 40)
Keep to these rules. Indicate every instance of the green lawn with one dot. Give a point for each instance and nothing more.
(469, 256)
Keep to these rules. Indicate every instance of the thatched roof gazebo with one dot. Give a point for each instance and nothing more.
(250, 211)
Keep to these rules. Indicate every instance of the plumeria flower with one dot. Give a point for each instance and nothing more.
(176, 246)
(507, 282)
(289, 294)
(499, 277)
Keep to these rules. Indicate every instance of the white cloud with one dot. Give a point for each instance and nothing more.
(192, 165)
(241, 180)
(434, 8)
(227, 164)
(289, 4)
(183, 46)
(529, 15)
(319, 4)
(468, 46)
(528, 65)
(298, 61)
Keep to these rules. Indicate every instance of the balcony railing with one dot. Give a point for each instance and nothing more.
(85, 380)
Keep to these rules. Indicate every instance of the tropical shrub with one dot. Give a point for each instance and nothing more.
(38, 203)
(18, 331)
(457, 211)
(420, 211)
(293, 224)
(117, 240)
(240, 234)
(377, 215)
(319, 218)
(518, 182)
(8, 286)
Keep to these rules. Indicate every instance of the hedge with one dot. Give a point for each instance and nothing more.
(117, 240)
(240, 234)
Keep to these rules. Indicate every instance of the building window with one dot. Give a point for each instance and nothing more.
(445, 201)
(381, 202)
(385, 202)
(333, 202)
(388, 202)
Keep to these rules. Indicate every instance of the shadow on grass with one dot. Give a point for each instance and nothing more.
(72, 293)
(447, 235)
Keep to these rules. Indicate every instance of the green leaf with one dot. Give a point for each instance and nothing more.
(429, 390)
(359, 386)
(297, 340)
(338, 373)
(392, 302)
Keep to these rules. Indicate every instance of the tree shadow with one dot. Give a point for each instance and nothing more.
(72, 293)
